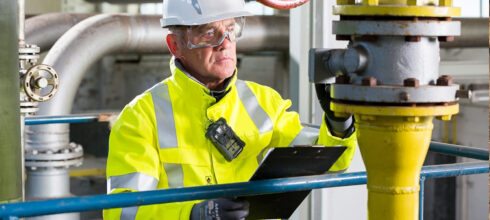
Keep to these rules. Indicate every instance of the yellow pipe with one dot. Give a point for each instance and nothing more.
(394, 141)
(393, 150)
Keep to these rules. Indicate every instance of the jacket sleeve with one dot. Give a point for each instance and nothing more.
(133, 164)
(288, 131)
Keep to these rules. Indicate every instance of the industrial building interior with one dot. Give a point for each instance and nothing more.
(103, 63)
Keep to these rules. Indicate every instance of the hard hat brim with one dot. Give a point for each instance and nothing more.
(171, 21)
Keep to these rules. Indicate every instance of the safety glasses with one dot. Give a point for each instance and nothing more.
(213, 34)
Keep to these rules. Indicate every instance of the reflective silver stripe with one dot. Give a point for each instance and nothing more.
(129, 213)
(260, 157)
(167, 137)
(260, 118)
(135, 181)
(175, 174)
(307, 135)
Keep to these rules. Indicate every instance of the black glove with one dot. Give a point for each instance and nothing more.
(339, 126)
(220, 209)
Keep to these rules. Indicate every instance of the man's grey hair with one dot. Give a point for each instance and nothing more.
(179, 31)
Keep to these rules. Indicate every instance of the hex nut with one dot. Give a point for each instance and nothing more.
(404, 96)
(411, 82)
(342, 79)
(444, 80)
(369, 81)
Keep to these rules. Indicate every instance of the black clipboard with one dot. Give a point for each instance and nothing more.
(289, 162)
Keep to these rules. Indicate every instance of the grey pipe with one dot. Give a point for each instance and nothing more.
(262, 33)
(44, 30)
(10, 148)
(474, 33)
(267, 33)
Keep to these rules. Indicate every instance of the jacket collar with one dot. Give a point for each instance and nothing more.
(183, 79)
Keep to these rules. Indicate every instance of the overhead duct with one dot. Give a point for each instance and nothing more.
(262, 33)
(44, 30)
(474, 33)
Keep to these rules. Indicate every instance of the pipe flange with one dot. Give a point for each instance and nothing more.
(34, 82)
(27, 107)
(29, 52)
(71, 156)
(395, 94)
(397, 28)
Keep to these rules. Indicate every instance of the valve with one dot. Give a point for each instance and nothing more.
(40, 77)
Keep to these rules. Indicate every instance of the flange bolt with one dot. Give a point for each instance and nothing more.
(411, 82)
(444, 80)
(342, 79)
(369, 81)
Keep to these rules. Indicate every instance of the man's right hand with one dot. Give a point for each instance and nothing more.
(220, 209)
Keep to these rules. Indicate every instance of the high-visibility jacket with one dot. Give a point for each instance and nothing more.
(159, 141)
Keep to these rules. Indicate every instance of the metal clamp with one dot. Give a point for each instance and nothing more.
(34, 82)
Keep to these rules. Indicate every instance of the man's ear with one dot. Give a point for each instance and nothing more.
(173, 45)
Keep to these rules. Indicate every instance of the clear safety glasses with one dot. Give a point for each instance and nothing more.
(213, 34)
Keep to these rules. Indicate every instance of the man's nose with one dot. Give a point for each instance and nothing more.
(226, 43)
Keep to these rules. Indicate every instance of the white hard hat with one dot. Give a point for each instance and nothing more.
(197, 12)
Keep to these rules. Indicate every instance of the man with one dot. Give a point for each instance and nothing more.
(167, 137)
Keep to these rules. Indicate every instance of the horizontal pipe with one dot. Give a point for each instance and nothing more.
(86, 203)
(272, 32)
(44, 30)
(450, 149)
(458, 150)
(262, 33)
(69, 119)
(474, 33)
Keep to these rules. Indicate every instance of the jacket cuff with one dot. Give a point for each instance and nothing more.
(340, 127)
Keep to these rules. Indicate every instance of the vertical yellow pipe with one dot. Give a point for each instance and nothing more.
(393, 149)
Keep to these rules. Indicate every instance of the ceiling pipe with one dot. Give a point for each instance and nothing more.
(474, 33)
(44, 30)
(262, 33)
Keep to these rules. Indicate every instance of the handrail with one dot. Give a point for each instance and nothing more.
(86, 203)
(66, 119)
(458, 150)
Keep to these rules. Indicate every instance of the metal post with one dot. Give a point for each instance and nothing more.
(421, 198)
(10, 148)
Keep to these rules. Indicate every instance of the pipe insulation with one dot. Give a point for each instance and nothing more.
(474, 33)
(44, 30)
(10, 143)
(262, 33)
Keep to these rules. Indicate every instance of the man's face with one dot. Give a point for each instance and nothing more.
(211, 64)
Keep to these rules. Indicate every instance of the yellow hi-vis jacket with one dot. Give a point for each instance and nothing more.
(159, 141)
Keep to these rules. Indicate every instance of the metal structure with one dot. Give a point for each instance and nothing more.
(10, 145)
(388, 78)
(44, 167)
(86, 203)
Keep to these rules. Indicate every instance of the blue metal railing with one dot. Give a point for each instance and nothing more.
(85, 203)
(450, 149)
(457, 150)
(39, 120)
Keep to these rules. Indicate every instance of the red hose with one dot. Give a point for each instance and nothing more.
(283, 4)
